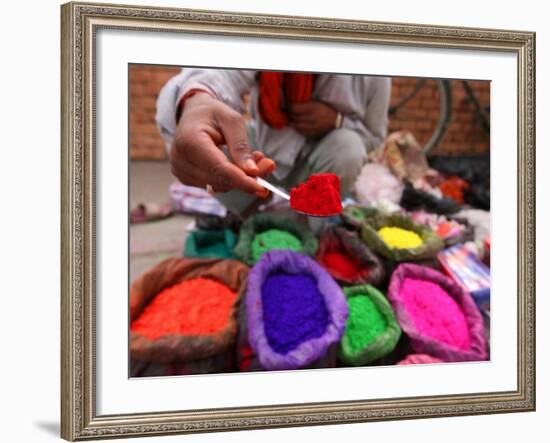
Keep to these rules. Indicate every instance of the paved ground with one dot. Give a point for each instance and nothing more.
(152, 242)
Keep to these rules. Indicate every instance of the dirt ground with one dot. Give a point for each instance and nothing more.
(152, 242)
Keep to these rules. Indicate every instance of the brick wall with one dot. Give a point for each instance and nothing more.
(464, 135)
(145, 84)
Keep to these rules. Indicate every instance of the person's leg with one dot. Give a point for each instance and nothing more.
(341, 152)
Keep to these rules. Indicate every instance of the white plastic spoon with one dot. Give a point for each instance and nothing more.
(284, 195)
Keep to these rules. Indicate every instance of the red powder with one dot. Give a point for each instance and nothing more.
(320, 196)
(341, 265)
(198, 306)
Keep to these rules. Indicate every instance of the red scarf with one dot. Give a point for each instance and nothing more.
(297, 88)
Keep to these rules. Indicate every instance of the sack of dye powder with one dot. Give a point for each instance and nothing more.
(265, 232)
(419, 359)
(184, 312)
(212, 243)
(355, 215)
(371, 329)
(295, 313)
(398, 238)
(438, 316)
(346, 257)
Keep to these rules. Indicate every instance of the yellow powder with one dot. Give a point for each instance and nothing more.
(398, 238)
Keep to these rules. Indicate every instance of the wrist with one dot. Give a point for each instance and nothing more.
(192, 95)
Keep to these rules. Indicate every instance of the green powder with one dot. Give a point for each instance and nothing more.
(365, 322)
(274, 239)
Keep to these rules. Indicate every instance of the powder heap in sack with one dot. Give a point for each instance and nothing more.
(294, 310)
(344, 265)
(399, 238)
(320, 195)
(274, 239)
(365, 322)
(435, 313)
(198, 306)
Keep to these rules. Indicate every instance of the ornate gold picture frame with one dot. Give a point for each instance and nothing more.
(80, 21)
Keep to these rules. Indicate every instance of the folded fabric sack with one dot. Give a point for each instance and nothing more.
(355, 215)
(212, 243)
(344, 255)
(404, 241)
(419, 359)
(404, 156)
(265, 232)
(295, 312)
(371, 329)
(193, 200)
(184, 311)
(438, 316)
(415, 199)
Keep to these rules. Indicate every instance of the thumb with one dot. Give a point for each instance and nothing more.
(233, 128)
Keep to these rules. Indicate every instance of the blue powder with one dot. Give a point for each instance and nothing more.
(294, 310)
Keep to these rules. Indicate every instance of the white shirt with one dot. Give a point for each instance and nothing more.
(362, 100)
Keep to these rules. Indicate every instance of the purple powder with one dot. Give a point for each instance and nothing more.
(294, 310)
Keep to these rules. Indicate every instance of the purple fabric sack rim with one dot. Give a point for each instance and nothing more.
(422, 343)
(311, 350)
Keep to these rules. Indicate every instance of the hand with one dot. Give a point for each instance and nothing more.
(197, 158)
(313, 119)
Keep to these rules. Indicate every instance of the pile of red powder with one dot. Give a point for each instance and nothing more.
(320, 196)
(341, 265)
(199, 306)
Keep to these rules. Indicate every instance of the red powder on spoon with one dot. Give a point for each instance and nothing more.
(320, 196)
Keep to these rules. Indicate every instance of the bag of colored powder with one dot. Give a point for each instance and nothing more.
(344, 255)
(355, 215)
(266, 232)
(371, 329)
(183, 314)
(295, 312)
(438, 316)
(419, 241)
(419, 359)
(247, 359)
(212, 243)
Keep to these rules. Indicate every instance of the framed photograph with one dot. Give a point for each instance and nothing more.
(277, 221)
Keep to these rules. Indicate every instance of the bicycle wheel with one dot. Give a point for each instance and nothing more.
(411, 109)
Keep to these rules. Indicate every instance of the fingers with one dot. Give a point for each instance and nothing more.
(233, 128)
(266, 167)
(257, 156)
(227, 176)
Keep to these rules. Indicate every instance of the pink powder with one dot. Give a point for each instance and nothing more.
(435, 313)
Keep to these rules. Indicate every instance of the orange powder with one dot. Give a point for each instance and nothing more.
(198, 306)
